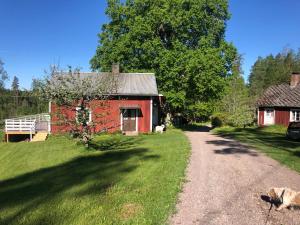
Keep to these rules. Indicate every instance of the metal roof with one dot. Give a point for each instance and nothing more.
(128, 84)
(282, 95)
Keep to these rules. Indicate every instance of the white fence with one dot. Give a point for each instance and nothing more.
(38, 117)
(21, 125)
(29, 124)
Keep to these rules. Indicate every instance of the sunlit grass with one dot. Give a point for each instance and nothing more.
(122, 180)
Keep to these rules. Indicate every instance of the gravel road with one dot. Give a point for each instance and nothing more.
(225, 183)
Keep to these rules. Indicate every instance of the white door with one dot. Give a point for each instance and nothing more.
(269, 116)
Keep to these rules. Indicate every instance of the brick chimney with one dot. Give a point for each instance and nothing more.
(295, 79)
(115, 68)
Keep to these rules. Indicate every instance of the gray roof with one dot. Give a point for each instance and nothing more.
(130, 84)
(282, 95)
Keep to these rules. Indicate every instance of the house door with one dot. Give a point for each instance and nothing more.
(269, 117)
(129, 120)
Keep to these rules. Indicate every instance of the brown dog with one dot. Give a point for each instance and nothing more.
(285, 197)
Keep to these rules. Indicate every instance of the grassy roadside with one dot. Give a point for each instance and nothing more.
(124, 180)
(269, 140)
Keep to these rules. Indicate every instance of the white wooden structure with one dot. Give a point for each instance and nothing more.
(27, 125)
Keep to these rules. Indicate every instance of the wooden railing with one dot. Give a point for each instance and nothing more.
(38, 117)
(31, 123)
(21, 125)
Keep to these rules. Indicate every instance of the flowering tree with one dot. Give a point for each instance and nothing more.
(79, 94)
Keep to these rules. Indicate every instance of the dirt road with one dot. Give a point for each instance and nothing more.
(225, 182)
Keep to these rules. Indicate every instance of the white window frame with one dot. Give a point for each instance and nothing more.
(293, 113)
(265, 116)
(90, 114)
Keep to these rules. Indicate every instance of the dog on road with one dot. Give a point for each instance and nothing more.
(284, 198)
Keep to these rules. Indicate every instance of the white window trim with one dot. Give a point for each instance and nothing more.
(291, 114)
(90, 114)
(265, 116)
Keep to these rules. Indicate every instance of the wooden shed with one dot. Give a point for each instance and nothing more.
(135, 107)
(280, 104)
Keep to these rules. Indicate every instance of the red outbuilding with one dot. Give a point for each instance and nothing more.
(134, 108)
(280, 104)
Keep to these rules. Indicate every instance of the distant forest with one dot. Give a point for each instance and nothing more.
(15, 102)
(273, 70)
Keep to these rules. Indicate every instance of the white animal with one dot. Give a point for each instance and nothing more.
(160, 129)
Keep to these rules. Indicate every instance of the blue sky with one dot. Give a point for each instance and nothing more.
(35, 33)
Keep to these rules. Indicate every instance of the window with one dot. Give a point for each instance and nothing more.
(269, 112)
(295, 115)
(83, 115)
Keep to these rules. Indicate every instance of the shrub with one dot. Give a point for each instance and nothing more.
(216, 121)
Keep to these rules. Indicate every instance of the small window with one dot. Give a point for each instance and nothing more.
(295, 115)
(269, 112)
(81, 114)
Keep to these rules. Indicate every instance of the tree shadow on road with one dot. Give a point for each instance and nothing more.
(194, 128)
(231, 147)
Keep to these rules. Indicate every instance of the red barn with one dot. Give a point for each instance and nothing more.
(280, 104)
(134, 108)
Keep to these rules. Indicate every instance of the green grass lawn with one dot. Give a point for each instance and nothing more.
(123, 180)
(270, 140)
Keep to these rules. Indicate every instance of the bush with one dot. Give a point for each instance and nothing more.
(216, 121)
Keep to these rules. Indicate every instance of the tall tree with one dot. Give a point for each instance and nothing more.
(273, 70)
(236, 108)
(15, 91)
(3, 75)
(15, 84)
(181, 41)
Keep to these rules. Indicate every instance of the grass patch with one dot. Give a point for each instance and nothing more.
(270, 140)
(123, 180)
(1, 136)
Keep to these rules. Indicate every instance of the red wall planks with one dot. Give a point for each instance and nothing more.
(106, 114)
(282, 116)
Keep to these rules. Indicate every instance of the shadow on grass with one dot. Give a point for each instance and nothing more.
(231, 147)
(91, 175)
(115, 142)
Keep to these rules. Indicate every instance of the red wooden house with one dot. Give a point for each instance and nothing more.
(134, 108)
(280, 104)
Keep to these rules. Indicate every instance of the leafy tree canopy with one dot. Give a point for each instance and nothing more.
(3, 75)
(15, 84)
(236, 108)
(182, 41)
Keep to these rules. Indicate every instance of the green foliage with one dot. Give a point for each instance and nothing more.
(20, 104)
(199, 111)
(3, 75)
(217, 120)
(125, 180)
(236, 106)
(71, 90)
(15, 84)
(15, 102)
(273, 70)
(181, 41)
